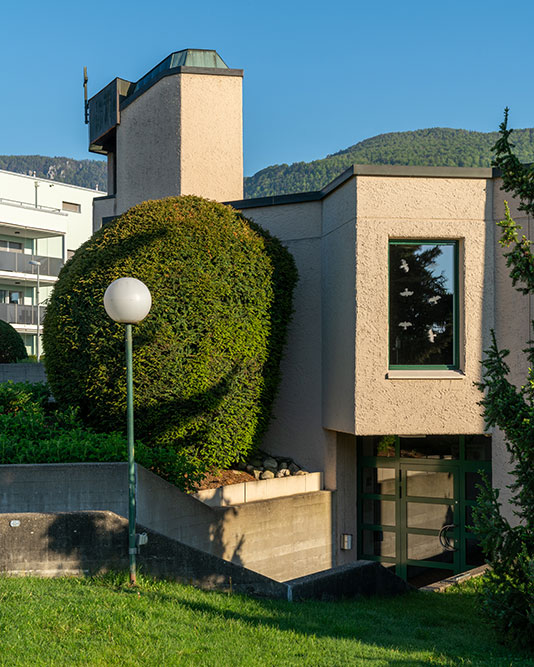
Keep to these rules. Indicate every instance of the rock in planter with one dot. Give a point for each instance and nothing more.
(270, 464)
(293, 468)
(257, 473)
(301, 472)
(267, 474)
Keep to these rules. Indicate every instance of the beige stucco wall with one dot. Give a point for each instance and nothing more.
(148, 146)
(211, 136)
(338, 259)
(421, 208)
(102, 208)
(297, 428)
(181, 136)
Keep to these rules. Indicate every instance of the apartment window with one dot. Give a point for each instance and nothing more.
(11, 246)
(71, 207)
(423, 304)
(15, 297)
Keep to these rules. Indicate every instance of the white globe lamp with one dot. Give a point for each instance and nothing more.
(128, 301)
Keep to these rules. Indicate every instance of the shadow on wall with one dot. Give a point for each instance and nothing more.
(219, 542)
(96, 542)
(91, 542)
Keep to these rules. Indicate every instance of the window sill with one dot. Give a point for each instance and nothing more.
(425, 375)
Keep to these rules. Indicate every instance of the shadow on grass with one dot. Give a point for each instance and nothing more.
(445, 625)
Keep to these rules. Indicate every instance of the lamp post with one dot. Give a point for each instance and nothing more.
(36, 263)
(128, 301)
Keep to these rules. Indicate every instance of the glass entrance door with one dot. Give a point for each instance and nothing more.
(429, 521)
(414, 503)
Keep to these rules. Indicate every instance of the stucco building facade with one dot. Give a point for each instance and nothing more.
(401, 280)
(43, 221)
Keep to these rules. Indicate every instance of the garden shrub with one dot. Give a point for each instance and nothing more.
(206, 358)
(12, 347)
(35, 430)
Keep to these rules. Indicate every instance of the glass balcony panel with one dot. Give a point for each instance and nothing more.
(14, 313)
(8, 261)
(20, 262)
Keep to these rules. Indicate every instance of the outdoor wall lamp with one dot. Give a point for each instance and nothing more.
(128, 301)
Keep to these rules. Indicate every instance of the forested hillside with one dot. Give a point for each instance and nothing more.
(85, 173)
(436, 146)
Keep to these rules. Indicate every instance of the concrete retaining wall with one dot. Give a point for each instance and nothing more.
(281, 538)
(22, 372)
(82, 543)
(262, 489)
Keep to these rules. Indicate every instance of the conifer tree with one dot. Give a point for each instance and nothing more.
(508, 590)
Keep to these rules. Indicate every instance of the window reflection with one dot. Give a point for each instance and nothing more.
(421, 304)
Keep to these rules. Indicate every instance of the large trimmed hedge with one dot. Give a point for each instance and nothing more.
(12, 347)
(206, 359)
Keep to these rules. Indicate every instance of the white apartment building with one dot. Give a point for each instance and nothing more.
(40, 221)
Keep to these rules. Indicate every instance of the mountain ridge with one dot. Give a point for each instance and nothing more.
(438, 146)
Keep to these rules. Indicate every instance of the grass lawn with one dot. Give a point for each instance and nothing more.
(102, 621)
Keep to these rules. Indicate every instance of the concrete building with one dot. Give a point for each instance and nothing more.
(401, 281)
(40, 221)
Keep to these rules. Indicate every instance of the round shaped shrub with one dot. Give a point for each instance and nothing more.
(206, 358)
(12, 347)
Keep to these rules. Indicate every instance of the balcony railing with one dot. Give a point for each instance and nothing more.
(14, 313)
(29, 205)
(20, 262)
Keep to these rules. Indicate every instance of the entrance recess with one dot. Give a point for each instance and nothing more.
(415, 497)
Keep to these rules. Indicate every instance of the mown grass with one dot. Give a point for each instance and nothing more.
(101, 621)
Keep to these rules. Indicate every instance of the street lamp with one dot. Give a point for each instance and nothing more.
(36, 263)
(128, 301)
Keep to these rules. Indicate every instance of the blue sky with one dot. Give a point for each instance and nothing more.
(319, 76)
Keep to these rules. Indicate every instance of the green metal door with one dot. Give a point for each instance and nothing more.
(429, 519)
(414, 503)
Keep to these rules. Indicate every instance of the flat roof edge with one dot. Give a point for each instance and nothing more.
(419, 171)
(182, 69)
(275, 200)
(400, 171)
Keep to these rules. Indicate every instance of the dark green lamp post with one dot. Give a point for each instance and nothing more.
(128, 301)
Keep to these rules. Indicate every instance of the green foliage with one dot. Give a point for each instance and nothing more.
(437, 146)
(12, 347)
(35, 430)
(508, 590)
(517, 177)
(206, 359)
(84, 173)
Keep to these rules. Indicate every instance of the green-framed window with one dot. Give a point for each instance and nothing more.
(423, 304)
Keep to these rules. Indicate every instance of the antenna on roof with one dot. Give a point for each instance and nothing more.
(86, 103)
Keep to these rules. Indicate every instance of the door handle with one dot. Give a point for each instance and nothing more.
(443, 538)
